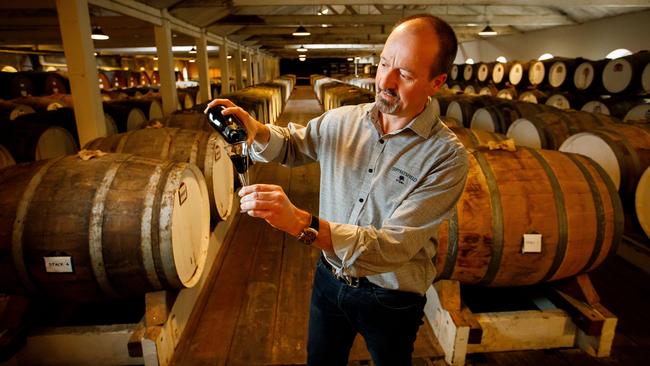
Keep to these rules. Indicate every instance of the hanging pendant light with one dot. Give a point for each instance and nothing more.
(487, 31)
(302, 49)
(193, 50)
(98, 34)
(301, 32)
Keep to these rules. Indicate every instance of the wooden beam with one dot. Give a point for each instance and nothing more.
(163, 35)
(317, 20)
(82, 69)
(225, 72)
(267, 31)
(236, 57)
(562, 3)
(205, 91)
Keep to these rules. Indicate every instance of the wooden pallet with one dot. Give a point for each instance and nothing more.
(568, 314)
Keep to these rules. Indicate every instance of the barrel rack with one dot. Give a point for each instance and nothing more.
(150, 342)
(567, 314)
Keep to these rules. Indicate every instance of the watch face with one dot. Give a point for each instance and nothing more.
(308, 235)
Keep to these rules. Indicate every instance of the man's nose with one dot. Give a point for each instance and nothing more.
(389, 79)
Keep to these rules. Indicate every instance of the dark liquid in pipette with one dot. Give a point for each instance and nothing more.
(240, 162)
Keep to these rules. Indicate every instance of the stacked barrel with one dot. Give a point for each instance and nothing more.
(131, 212)
(618, 87)
(333, 93)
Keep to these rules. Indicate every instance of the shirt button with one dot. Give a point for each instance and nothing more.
(370, 170)
(361, 200)
(381, 141)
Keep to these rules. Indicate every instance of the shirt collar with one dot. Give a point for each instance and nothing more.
(423, 124)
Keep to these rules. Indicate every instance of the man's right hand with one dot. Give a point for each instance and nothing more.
(256, 130)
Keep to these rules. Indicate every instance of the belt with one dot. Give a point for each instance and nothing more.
(348, 280)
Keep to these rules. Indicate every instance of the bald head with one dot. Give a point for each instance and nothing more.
(432, 28)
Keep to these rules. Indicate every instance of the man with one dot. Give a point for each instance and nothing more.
(390, 174)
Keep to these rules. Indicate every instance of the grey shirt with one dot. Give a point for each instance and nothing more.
(384, 195)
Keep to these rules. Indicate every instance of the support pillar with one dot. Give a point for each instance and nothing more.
(82, 68)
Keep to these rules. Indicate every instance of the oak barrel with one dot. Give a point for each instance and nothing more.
(484, 72)
(572, 204)
(126, 118)
(192, 120)
(622, 150)
(640, 114)
(498, 117)
(550, 130)
(499, 72)
(533, 96)
(5, 158)
(114, 226)
(10, 110)
(29, 141)
(624, 75)
(587, 76)
(462, 109)
(203, 149)
(472, 139)
(642, 202)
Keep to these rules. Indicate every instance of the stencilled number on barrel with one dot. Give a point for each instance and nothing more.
(217, 152)
(182, 194)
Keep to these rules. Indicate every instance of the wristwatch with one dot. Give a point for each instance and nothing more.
(309, 234)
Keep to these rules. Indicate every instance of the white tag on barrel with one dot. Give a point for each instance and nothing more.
(60, 264)
(532, 243)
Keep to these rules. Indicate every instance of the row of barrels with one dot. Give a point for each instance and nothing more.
(628, 109)
(628, 75)
(39, 83)
(42, 133)
(136, 217)
(362, 82)
(121, 79)
(333, 93)
(132, 219)
(621, 149)
(337, 94)
(264, 101)
(132, 224)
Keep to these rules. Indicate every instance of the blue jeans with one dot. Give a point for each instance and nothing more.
(388, 320)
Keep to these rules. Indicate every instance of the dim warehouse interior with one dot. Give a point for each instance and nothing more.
(122, 241)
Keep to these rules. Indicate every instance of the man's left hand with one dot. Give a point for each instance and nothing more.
(270, 203)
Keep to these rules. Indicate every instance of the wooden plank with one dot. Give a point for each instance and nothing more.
(251, 341)
(584, 316)
(524, 330)
(134, 345)
(226, 299)
(157, 307)
(88, 345)
(453, 338)
(599, 345)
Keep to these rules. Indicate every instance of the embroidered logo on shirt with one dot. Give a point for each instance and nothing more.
(403, 175)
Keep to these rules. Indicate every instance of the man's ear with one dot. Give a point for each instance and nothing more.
(436, 83)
